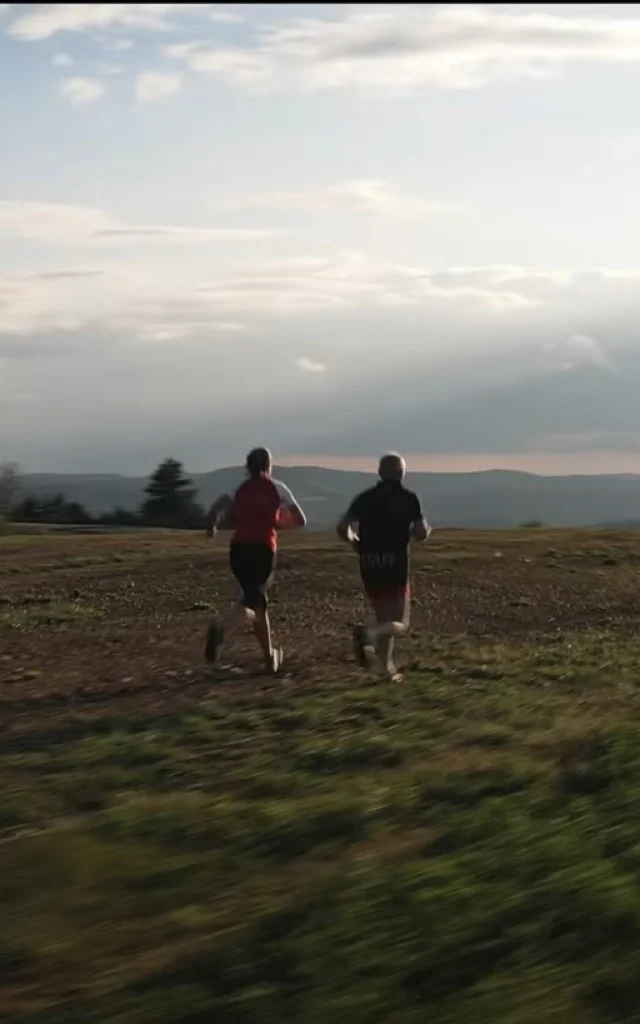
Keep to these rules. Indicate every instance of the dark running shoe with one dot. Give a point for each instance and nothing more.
(362, 646)
(215, 637)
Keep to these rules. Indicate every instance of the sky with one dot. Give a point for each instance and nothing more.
(333, 229)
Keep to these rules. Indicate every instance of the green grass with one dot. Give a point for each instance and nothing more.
(46, 613)
(463, 848)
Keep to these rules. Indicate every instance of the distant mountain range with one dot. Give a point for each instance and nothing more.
(495, 498)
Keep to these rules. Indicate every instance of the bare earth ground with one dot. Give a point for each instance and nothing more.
(177, 846)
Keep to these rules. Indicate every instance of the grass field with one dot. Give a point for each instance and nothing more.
(182, 848)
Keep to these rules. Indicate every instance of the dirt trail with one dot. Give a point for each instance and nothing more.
(106, 628)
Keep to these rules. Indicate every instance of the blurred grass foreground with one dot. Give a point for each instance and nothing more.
(463, 848)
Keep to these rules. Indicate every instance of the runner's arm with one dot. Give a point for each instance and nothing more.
(347, 527)
(298, 517)
(220, 507)
(420, 528)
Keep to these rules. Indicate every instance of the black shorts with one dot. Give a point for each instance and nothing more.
(253, 566)
(384, 572)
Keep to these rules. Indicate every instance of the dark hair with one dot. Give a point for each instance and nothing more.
(258, 462)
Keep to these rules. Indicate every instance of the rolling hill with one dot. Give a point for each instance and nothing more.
(495, 498)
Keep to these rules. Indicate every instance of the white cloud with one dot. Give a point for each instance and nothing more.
(104, 67)
(178, 233)
(19, 219)
(585, 348)
(445, 332)
(351, 281)
(405, 47)
(154, 86)
(32, 302)
(474, 295)
(229, 327)
(166, 332)
(173, 331)
(47, 20)
(179, 50)
(121, 298)
(366, 195)
(168, 306)
(80, 91)
(310, 365)
(123, 45)
(226, 17)
(61, 223)
(62, 60)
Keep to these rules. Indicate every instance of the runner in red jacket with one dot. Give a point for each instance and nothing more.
(256, 510)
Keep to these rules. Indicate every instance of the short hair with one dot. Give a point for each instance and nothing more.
(392, 467)
(258, 462)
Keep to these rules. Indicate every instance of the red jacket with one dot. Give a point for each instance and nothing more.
(257, 505)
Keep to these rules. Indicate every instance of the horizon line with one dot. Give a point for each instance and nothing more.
(543, 464)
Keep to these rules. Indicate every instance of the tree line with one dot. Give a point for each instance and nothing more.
(170, 502)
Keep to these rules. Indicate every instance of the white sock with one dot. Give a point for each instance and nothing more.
(387, 629)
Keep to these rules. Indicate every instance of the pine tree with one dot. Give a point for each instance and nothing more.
(171, 495)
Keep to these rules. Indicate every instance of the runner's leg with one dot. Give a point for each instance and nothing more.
(255, 600)
(384, 643)
(392, 612)
(220, 628)
(255, 604)
(262, 630)
(246, 570)
(384, 576)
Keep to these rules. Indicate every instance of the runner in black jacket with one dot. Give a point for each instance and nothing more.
(380, 524)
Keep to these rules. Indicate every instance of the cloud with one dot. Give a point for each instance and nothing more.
(62, 60)
(407, 47)
(104, 67)
(442, 352)
(429, 314)
(80, 91)
(350, 280)
(583, 348)
(168, 332)
(310, 365)
(177, 233)
(58, 222)
(154, 86)
(126, 298)
(48, 20)
(62, 275)
(226, 17)
(50, 221)
(366, 195)
(229, 327)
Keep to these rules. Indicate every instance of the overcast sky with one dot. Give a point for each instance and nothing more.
(328, 228)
